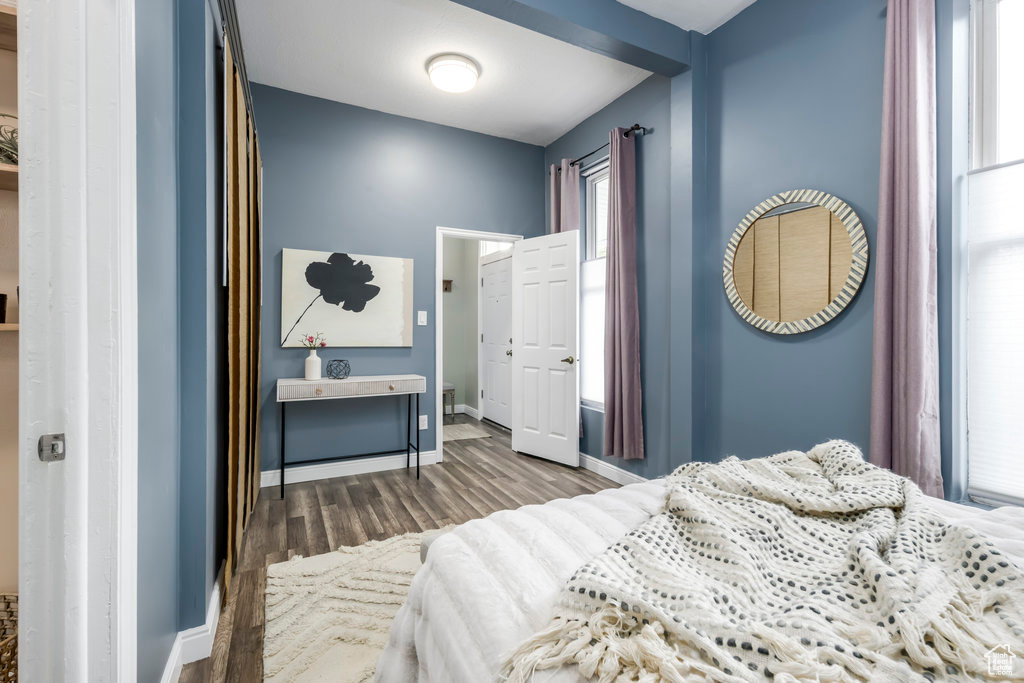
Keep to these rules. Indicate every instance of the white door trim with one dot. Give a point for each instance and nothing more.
(458, 233)
(78, 341)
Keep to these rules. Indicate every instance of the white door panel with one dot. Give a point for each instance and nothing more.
(545, 325)
(497, 334)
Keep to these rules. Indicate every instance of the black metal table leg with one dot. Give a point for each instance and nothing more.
(417, 436)
(282, 450)
(408, 421)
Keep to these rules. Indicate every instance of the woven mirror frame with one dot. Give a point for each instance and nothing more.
(858, 265)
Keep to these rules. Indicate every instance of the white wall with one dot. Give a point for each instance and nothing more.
(9, 349)
(460, 319)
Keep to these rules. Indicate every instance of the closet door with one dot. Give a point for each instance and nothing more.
(496, 343)
(245, 280)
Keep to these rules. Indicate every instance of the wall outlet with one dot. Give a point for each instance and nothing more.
(421, 317)
(423, 422)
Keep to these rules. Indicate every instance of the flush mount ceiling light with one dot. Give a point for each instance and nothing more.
(452, 73)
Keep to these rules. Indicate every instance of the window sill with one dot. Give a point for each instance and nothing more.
(592, 405)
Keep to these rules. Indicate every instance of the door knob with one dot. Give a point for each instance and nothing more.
(509, 352)
(570, 360)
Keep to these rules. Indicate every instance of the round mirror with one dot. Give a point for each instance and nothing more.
(795, 261)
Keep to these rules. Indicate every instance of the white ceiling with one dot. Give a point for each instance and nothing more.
(693, 15)
(532, 88)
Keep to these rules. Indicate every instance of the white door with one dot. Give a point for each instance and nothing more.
(545, 325)
(78, 335)
(496, 341)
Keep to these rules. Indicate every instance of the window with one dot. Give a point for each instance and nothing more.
(592, 281)
(592, 332)
(488, 247)
(597, 211)
(994, 325)
(997, 88)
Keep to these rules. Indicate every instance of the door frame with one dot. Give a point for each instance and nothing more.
(480, 263)
(78, 345)
(457, 233)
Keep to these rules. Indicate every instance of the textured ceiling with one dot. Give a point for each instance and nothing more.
(693, 15)
(532, 88)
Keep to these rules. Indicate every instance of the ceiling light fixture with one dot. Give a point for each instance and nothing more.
(452, 73)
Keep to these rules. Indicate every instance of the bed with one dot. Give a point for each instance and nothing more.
(491, 583)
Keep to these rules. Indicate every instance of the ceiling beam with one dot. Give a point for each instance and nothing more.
(602, 26)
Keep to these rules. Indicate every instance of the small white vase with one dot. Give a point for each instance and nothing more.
(312, 366)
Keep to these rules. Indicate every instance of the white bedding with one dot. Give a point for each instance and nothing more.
(491, 583)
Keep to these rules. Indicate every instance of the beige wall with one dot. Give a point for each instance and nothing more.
(460, 319)
(9, 351)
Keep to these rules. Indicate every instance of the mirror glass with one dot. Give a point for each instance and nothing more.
(792, 261)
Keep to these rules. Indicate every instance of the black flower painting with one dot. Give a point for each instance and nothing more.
(343, 281)
(340, 281)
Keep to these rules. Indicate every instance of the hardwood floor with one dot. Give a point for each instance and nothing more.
(477, 477)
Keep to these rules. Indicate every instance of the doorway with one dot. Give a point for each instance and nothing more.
(532, 361)
(460, 367)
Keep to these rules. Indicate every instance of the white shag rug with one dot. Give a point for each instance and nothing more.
(328, 617)
(458, 432)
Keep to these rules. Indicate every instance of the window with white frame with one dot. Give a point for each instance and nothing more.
(592, 286)
(994, 259)
(997, 82)
(489, 247)
(597, 210)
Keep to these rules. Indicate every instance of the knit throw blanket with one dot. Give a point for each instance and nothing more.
(795, 567)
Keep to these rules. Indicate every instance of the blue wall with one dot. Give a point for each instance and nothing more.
(688, 218)
(339, 177)
(180, 312)
(794, 101)
(159, 362)
(760, 112)
(785, 95)
(648, 105)
(202, 313)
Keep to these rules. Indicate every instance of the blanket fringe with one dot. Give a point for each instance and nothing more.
(611, 646)
(960, 634)
(608, 646)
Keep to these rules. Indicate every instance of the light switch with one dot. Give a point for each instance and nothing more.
(423, 422)
(421, 317)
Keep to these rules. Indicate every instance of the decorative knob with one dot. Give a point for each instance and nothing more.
(391, 387)
(319, 391)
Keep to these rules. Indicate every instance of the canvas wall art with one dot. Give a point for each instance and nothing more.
(352, 299)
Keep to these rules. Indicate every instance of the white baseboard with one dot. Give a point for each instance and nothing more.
(195, 643)
(344, 468)
(609, 471)
(172, 671)
(461, 408)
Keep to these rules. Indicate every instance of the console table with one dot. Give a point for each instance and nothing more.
(291, 390)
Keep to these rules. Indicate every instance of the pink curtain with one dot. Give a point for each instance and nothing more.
(623, 414)
(905, 364)
(564, 187)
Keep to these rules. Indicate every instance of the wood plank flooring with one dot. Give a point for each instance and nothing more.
(477, 477)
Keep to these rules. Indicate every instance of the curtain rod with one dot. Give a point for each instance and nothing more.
(635, 128)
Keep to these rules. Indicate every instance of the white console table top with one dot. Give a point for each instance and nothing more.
(300, 389)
